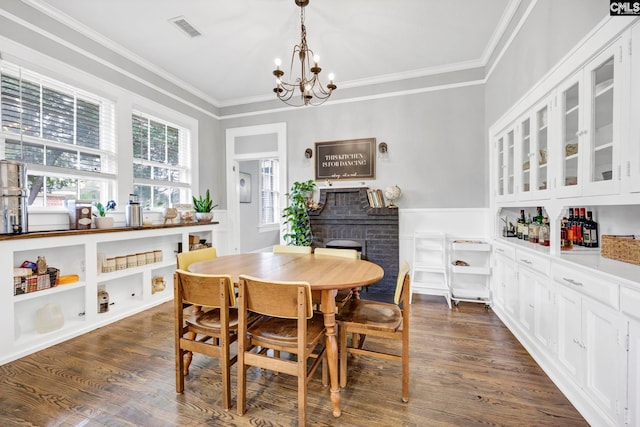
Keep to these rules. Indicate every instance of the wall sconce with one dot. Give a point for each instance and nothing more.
(308, 153)
(383, 151)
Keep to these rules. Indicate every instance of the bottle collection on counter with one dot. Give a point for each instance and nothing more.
(578, 229)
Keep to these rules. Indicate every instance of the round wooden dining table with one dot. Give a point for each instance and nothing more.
(326, 275)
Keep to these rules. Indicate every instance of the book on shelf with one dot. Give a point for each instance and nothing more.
(376, 198)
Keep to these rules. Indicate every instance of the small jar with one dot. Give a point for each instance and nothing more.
(132, 261)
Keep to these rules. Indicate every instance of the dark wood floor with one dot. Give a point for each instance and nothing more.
(466, 370)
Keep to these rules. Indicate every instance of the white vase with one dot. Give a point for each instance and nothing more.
(104, 222)
(204, 216)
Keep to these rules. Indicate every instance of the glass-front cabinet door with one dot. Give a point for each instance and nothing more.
(602, 130)
(631, 165)
(526, 154)
(571, 132)
(540, 158)
(504, 163)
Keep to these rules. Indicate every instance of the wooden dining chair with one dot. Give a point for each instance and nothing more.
(185, 259)
(380, 319)
(209, 331)
(289, 249)
(343, 295)
(287, 325)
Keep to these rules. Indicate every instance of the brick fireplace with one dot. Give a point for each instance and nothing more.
(345, 219)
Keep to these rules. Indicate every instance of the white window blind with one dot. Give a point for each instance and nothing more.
(65, 135)
(269, 192)
(161, 161)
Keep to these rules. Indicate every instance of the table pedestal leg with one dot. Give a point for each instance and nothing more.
(329, 311)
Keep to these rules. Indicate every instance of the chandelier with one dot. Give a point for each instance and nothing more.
(306, 89)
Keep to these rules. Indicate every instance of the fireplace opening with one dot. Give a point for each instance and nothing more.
(359, 246)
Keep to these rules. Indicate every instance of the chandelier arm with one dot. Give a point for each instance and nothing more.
(311, 91)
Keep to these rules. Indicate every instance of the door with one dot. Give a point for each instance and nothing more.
(604, 342)
(569, 315)
(543, 316)
(633, 364)
(246, 144)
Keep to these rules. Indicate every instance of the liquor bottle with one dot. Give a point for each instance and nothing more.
(570, 225)
(573, 225)
(534, 230)
(525, 228)
(586, 232)
(521, 222)
(581, 219)
(544, 234)
(539, 218)
(566, 242)
(592, 228)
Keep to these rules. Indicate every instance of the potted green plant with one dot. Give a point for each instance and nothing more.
(296, 217)
(101, 218)
(203, 207)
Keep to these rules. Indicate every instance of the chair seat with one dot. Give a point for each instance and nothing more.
(284, 332)
(373, 314)
(210, 320)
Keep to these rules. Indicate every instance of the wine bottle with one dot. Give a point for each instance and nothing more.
(525, 229)
(566, 243)
(593, 230)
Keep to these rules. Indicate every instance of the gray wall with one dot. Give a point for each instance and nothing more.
(251, 238)
(437, 153)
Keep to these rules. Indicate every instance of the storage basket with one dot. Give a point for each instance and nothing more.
(621, 248)
(27, 284)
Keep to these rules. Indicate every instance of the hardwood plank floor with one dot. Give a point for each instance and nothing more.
(466, 370)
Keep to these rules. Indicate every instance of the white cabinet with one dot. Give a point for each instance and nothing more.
(590, 128)
(429, 272)
(631, 164)
(503, 274)
(81, 253)
(592, 348)
(633, 406)
(469, 270)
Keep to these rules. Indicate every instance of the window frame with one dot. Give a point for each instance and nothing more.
(275, 196)
(78, 99)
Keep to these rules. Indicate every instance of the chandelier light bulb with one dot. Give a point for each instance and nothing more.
(278, 62)
(331, 77)
(316, 59)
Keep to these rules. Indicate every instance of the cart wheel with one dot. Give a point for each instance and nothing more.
(487, 306)
(456, 303)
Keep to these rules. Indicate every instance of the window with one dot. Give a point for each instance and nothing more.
(161, 161)
(63, 134)
(269, 192)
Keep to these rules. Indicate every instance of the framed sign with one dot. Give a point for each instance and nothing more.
(348, 159)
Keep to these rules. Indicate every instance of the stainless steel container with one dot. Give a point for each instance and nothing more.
(133, 212)
(13, 197)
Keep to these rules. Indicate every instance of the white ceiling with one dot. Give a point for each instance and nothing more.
(361, 41)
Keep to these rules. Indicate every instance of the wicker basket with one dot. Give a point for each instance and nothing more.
(39, 282)
(621, 248)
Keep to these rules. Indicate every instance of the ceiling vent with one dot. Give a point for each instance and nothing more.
(184, 26)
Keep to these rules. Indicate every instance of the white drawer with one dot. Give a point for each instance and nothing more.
(507, 251)
(588, 284)
(538, 263)
(630, 302)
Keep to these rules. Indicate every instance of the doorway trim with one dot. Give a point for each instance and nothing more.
(233, 171)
